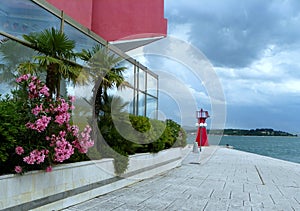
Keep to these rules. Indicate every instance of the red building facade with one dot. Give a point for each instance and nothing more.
(116, 20)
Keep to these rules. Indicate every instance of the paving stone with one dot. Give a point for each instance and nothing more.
(224, 179)
(217, 204)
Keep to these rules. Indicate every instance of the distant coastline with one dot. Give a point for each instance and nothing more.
(251, 132)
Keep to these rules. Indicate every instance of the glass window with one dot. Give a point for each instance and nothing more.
(151, 107)
(127, 96)
(141, 78)
(82, 40)
(152, 85)
(129, 72)
(141, 104)
(12, 54)
(20, 17)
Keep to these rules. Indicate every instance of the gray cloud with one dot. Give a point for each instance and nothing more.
(235, 33)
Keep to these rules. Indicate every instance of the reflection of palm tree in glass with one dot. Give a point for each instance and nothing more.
(12, 54)
(56, 56)
(103, 69)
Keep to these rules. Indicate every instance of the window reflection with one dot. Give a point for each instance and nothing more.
(141, 104)
(12, 54)
(82, 40)
(129, 72)
(151, 85)
(126, 94)
(142, 80)
(151, 107)
(18, 17)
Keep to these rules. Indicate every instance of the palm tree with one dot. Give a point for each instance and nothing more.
(103, 69)
(56, 56)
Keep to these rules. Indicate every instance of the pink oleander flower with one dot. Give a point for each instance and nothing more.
(34, 78)
(43, 122)
(32, 87)
(62, 133)
(19, 150)
(18, 169)
(62, 118)
(63, 151)
(28, 160)
(37, 109)
(49, 169)
(22, 78)
(40, 124)
(36, 156)
(82, 146)
(45, 91)
(84, 142)
(74, 129)
(63, 106)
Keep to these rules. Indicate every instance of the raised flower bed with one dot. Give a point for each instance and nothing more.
(69, 184)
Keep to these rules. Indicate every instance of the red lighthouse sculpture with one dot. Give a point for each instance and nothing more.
(201, 137)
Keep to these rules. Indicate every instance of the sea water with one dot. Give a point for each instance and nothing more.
(280, 147)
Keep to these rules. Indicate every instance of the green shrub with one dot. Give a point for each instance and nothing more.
(134, 134)
(12, 132)
(150, 136)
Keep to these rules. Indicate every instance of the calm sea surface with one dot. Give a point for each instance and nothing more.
(284, 148)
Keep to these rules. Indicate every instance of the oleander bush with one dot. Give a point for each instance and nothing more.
(37, 130)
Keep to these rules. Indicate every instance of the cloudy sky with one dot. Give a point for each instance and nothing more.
(254, 48)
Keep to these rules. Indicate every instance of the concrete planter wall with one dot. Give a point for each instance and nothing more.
(70, 184)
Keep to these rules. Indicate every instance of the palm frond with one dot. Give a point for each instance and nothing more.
(52, 42)
(28, 68)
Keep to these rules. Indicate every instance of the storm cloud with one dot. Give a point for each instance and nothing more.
(235, 33)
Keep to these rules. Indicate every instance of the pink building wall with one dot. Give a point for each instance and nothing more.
(117, 19)
(79, 10)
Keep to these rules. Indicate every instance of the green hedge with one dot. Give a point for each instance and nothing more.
(142, 135)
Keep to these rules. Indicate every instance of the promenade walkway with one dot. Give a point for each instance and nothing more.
(220, 179)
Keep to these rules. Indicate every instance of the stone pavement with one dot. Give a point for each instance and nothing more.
(220, 179)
